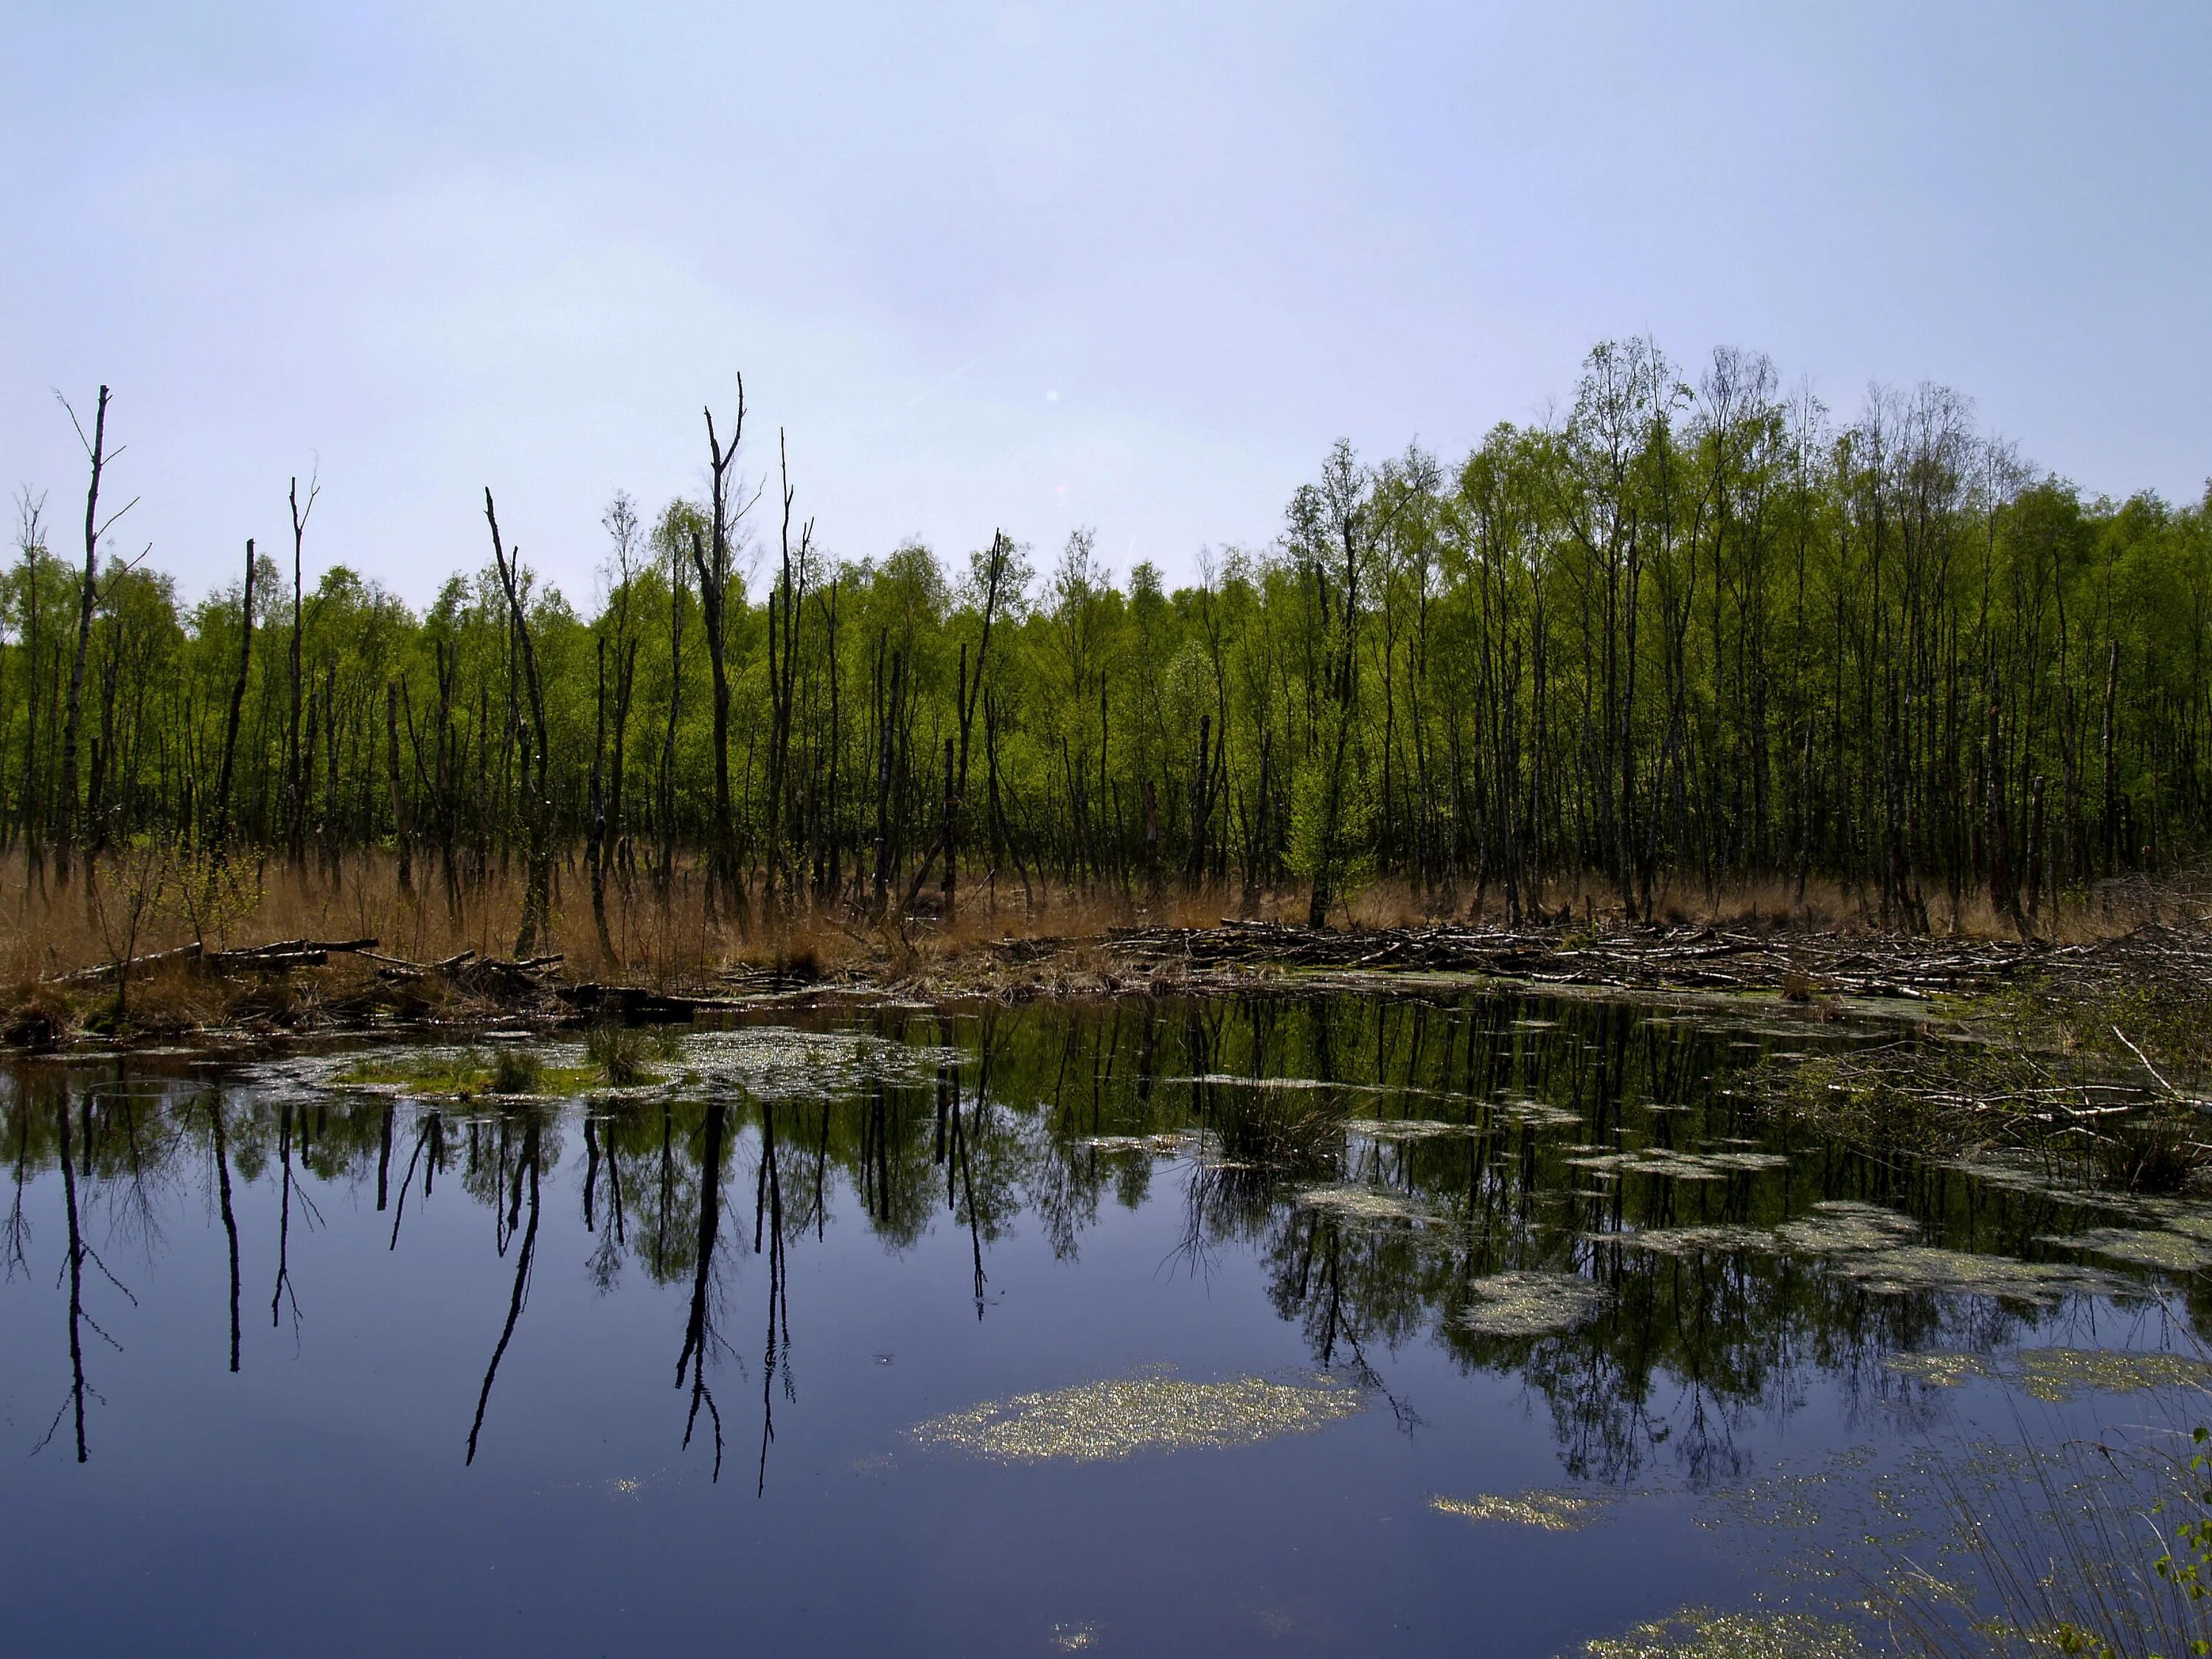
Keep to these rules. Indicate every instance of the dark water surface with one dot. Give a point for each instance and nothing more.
(971, 1332)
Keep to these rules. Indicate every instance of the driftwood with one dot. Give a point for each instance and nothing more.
(635, 1002)
(1900, 966)
(274, 958)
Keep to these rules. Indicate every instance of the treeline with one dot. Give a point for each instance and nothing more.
(1685, 635)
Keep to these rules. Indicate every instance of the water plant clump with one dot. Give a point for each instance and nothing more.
(1115, 1419)
(1719, 1238)
(2054, 1375)
(516, 1069)
(1916, 1267)
(1546, 1512)
(1407, 1128)
(1844, 1226)
(1354, 1202)
(622, 1052)
(1529, 1302)
(1702, 1633)
(2169, 1251)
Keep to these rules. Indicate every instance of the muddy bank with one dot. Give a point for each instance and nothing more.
(336, 986)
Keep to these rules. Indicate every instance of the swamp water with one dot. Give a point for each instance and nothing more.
(915, 1331)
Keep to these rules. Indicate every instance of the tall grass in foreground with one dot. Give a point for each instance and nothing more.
(2097, 1547)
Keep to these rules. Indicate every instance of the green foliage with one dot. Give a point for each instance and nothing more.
(1690, 630)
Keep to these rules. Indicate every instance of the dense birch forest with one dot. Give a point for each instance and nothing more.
(1694, 632)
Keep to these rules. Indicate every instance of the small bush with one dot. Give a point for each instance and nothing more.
(2155, 1154)
(36, 1017)
(620, 1051)
(516, 1071)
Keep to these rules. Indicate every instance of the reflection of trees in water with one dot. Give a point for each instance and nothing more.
(525, 1176)
(1684, 1352)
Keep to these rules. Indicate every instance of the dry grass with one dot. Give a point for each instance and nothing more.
(1045, 941)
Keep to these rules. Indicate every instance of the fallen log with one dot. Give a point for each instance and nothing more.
(636, 1002)
(278, 957)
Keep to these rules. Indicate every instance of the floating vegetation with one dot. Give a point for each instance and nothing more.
(1915, 1267)
(772, 1062)
(1407, 1128)
(1681, 1166)
(2015, 1170)
(1701, 1634)
(1357, 1203)
(1530, 1302)
(1538, 1115)
(1721, 1238)
(2054, 1375)
(1845, 1227)
(1159, 1146)
(1548, 1511)
(1940, 1371)
(559, 1072)
(1105, 1421)
(2175, 1252)
(1226, 1080)
(2180, 1215)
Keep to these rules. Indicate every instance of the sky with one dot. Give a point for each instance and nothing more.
(1036, 266)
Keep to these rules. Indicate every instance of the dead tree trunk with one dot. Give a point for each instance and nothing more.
(65, 805)
(220, 828)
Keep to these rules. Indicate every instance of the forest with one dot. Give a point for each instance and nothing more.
(1692, 635)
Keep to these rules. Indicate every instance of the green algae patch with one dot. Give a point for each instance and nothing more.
(2171, 1251)
(1529, 1302)
(466, 1074)
(1846, 1227)
(1701, 1634)
(1110, 1420)
(1546, 1512)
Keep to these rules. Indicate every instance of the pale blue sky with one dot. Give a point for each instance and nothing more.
(1037, 265)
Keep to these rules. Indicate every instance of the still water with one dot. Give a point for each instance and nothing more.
(987, 1331)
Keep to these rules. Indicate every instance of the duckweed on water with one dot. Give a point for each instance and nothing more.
(1681, 1166)
(1407, 1128)
(1530, 1302)
(2054, 1375)
(1159, 1146)
(1914, 1268)
(1548, 1511)
(1845, 1227)
(1357, 1203)
(1106, 1421)
(1721, 1238)
(1701, 1634)
(2175, 1252)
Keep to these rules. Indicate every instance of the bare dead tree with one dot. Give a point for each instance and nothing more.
(219, 826)
(95, 449)
(294, 763)
(713, 564)
(537, 894)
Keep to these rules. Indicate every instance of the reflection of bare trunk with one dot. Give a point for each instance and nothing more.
(521, 1280)
(771, 1190)
(19, 1229)
(77, 1248)
(284, 1225)
(423, 1137)
(699, 1330)
(230, 1217)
